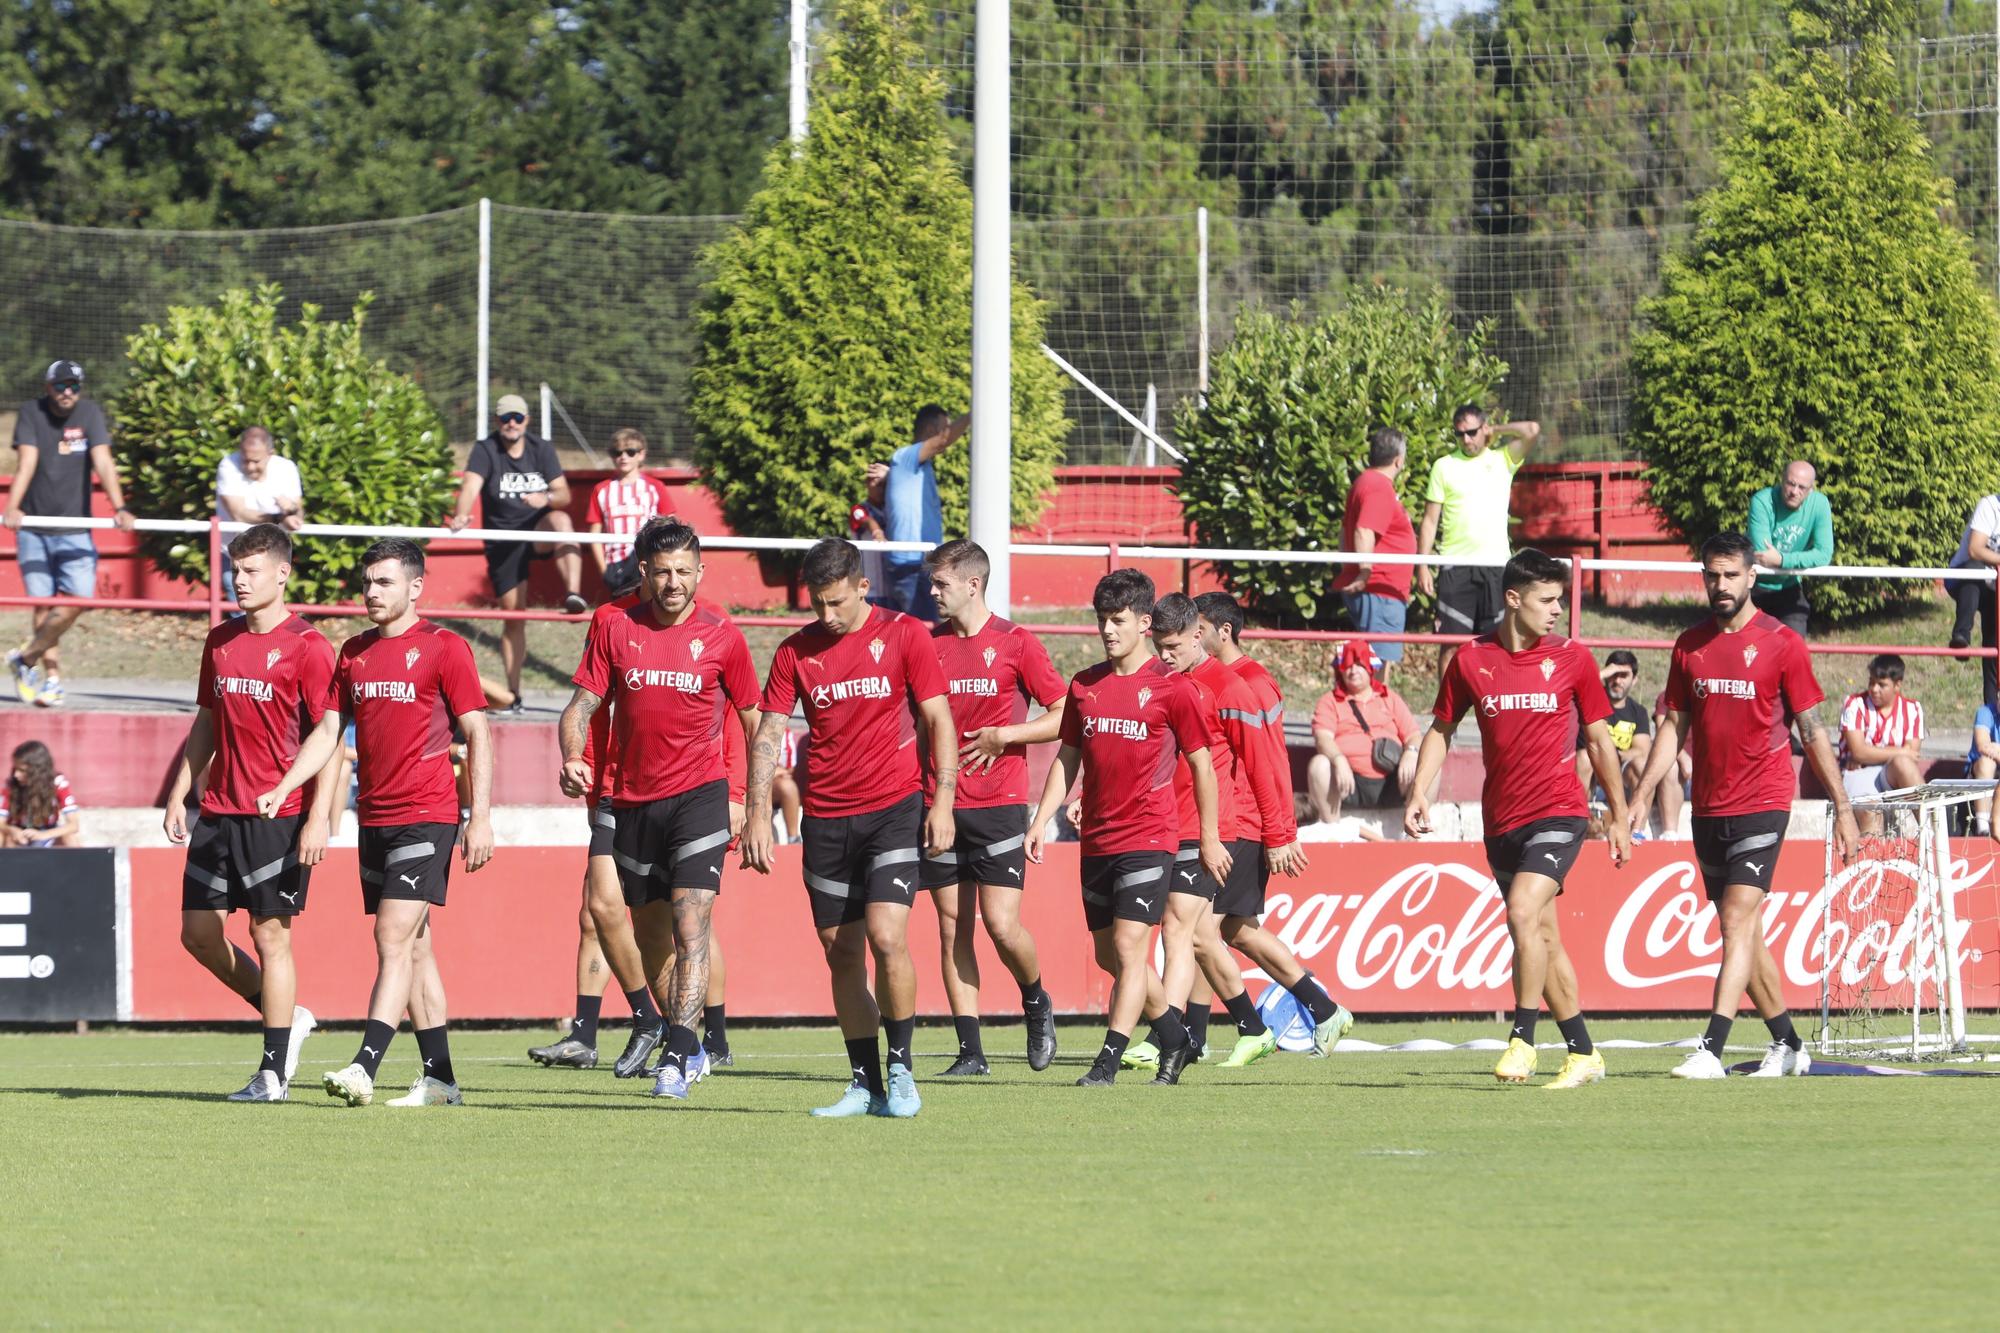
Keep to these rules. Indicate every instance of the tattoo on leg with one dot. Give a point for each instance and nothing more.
(690, 984)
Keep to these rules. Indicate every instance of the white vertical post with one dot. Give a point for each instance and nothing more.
(992, 316)
(481, 426)
(1201, 299)
(801, 68)
(1151, 433)
(548, 414)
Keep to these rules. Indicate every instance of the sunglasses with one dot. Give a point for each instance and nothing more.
(67, 386)
(1466, 434)
(509, 418)
(628, 453)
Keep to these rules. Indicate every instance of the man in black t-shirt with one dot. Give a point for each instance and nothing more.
(1630, 725)
(519, 484)
(60, 439)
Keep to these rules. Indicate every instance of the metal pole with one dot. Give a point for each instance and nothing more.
(1201, 298)
(801, 68)
(548, 417)
(992, 484)
(480, 372)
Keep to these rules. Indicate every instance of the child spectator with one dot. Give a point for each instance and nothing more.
(37, 807)
(1881, 733)
(622, 504)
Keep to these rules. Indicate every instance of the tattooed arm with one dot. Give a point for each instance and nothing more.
(765, 748)
(576, 775)
(1819, 755)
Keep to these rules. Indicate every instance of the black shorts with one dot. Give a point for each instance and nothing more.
(1370, 794)
(1125, 886)
(676, 842)
(602, 821)
(1243, 892)
(507, 563)
(854, 860)
(405, 862)
(991, 847)
(1190, 876)
(1739, 849)
(245, 861)
(1540, 847)
(1469, 599)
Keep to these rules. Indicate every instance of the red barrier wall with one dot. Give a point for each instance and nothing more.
(1391, 928)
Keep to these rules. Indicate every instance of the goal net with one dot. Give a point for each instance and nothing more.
(1891, 937)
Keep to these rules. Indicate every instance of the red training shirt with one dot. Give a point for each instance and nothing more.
(1372, 504)
(1130, 730)
(1530, 704)
(1272, 700)
(1260, 798)
(1741, 692)
(860, 691)
(597, 749)
(264, 693)
(990, 676)
(403, 694)
(1220, 757)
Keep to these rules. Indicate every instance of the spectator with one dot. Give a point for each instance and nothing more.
(1983, 761)
(868, 522)
(622, 504)
(255, 485)
(519, 485)
(60, 439)
(1791, 527)
(910, 500)
(1467, 497)
(1881, 733)
(1684, 770)
(1378, 597)
(1365, 736)
(37, 808)
(1631, 730)
(1980, 546)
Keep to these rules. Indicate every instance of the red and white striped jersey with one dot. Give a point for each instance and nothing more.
(622, 505)
(1903, 723)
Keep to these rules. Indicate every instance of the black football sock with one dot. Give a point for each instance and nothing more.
(681, 1043)
(1312, 997)
(864, 1057)
(1032, 994)
(1197, 1025)
(1782, 1030)
(1111, 1052)
(1717, 1035)
(1249, 1023)
(643, 1009)
(588, 1008)
(968, 1038)
(1172, 1029)
(434, 1046)
(1575, 1035)
(715, 1028)
(277, 1041)
(901, 1033)
(1524, 1024)
(375, 1039)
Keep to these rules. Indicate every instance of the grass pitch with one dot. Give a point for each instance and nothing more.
(1370, 1190)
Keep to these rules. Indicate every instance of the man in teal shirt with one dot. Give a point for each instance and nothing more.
(1791, 527)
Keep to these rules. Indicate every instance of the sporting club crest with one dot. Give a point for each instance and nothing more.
(1145, 694)
(875, 649)
(989, 655)
(1749, 653)
(271, 658)
(410, 658)
(694, 651)
(1548, 667)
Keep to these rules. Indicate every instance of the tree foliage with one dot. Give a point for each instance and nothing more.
(1825, 311)
(1284, 430)
(844, 303)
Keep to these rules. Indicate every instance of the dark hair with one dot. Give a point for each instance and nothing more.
(930, 420)
(1222, 611)
(261, 539)
(829, 561)
(666, 534)
(1532, 566)
(963, 557)
(1885, 666)
(1727, 543)
(1472, 410)
(1624, 657)
(1174, 614)
(1385, 446)
(1123, 590)
(396, 548)
(33, 802)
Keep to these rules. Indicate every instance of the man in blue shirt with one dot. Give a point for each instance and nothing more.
(914, 512)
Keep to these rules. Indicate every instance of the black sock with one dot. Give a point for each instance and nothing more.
(1172, 1029)
(901, 1033)
(1312, 997)
(864, 1057)
(1782, 1030)
(715, 1028)
(434, 1045)
(588, 1008)
(1032, 994)
(1114, 1047)
(681, 1043)
(1524, 1024)
(968, 1038)
(1575, 1035)
(1249, 1023)
(643, 1009)
(277, 1041)
(375, 1039)
(1197, 1025)
(1717, 1035)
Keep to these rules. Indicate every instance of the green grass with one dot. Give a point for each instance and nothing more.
(1370, 1190)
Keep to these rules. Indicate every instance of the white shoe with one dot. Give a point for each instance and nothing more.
(1700, 1063)
(428, 1091)
(352, 1085)
(303, 1024)
(263, 1087)
(1781, 1061)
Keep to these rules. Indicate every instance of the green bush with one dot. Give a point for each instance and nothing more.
(1284, 431)
(844, 303)
(1828, 311)
(368, 444)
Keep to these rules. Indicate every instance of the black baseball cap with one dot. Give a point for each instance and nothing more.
(64, 370)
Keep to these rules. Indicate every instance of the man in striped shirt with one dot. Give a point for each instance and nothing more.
(1881, 733)
(621, 504)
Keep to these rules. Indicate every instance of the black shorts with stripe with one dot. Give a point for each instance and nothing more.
(405, 863)
(1243, 892)
(245, 861)
(1739, 849)
(1546, 847)
(1125, 886)
(990, 847)
(854, 860)
(676, 842)
(602, 821)
(1190, 876)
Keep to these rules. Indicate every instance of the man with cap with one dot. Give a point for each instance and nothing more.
(60, 439)
(519, 484)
